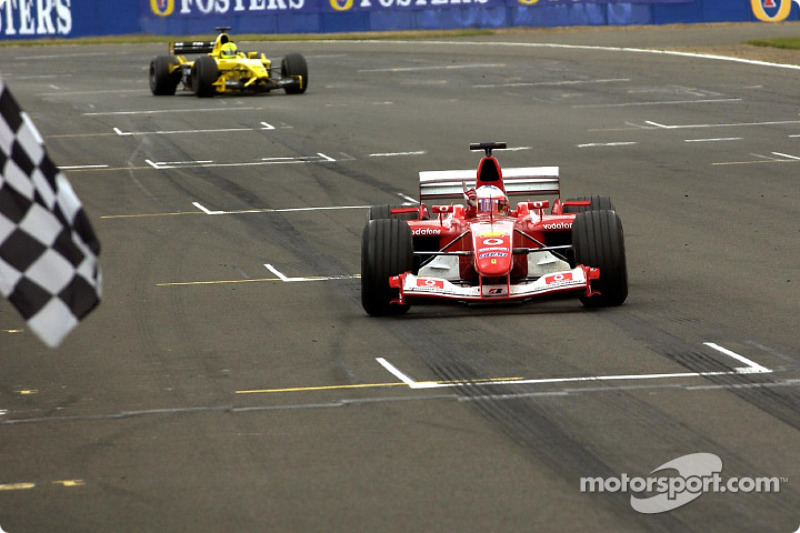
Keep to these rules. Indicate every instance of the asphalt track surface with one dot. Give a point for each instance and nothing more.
(230, 380)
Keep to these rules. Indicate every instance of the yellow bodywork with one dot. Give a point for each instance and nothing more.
(215, 73)
(248, 68)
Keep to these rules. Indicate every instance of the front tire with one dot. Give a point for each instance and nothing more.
(204, 74)
(598, 241)
(384, 211)
(295, 66)
(597, 203)
(164, 75)
(386, 250)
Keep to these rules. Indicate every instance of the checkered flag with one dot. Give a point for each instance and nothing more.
(48, 248)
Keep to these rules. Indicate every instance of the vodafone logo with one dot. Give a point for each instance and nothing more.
(565, 277)
(426, 231)
(559, 225)
(492, 242)
(430, 283)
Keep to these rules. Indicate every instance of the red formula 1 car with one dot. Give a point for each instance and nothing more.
(484, 251)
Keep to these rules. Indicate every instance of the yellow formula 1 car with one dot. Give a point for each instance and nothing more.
(224, 69)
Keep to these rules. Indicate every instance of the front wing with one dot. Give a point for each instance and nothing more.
(577, 280)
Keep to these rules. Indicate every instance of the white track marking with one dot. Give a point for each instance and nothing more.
(730, 125)
(207, 211)
(202, 208)
(405, 378)
(518, 148)
(81, 167)
(593, 145)
(606, 49)
(159, 111)
(168, 165)
(396, 154)
(506, 44)
(718, 139)
(287, 279)
(445, 67)
(785, 383)
(787, 156)
(296, 159)
(751, 368)
(276, 272)
(264, 127)
(547, 83)
(673, 102)
(407, 198)
(394, 371)
(177, 132)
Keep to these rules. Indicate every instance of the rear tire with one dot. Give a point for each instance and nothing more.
(294, 66)
(598, 241)
(204, 74)
(598, 203)
(386, 250)
(163, 79)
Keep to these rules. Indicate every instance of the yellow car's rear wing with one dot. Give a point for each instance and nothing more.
(191, 47)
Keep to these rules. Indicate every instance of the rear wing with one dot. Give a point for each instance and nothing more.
(191, 47)
(522, 181)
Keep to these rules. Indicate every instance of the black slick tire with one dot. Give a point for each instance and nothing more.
(386, 250)
(598, 203)
(598, 241)
(384, 211)
(204, 74)
(164, 78)
(295, 66)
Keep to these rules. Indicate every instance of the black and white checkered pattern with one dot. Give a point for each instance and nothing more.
(48, 248)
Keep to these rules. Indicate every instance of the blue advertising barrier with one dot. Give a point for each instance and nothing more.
(33, 19)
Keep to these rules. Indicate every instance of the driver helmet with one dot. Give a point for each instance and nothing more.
(491, 199)
(228, 50)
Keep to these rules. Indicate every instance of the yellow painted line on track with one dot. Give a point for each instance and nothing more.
(258, 280)
(17, 486)
(71, 135)
(152, 215)
(323, 387)
(108, 169)
(378, 385)
(68, 483)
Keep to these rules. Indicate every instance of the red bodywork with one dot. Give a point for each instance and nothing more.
(517, 255)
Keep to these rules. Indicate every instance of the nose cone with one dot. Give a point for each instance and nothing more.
(492, 245)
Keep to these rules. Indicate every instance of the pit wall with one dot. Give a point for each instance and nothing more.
(33, 19)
